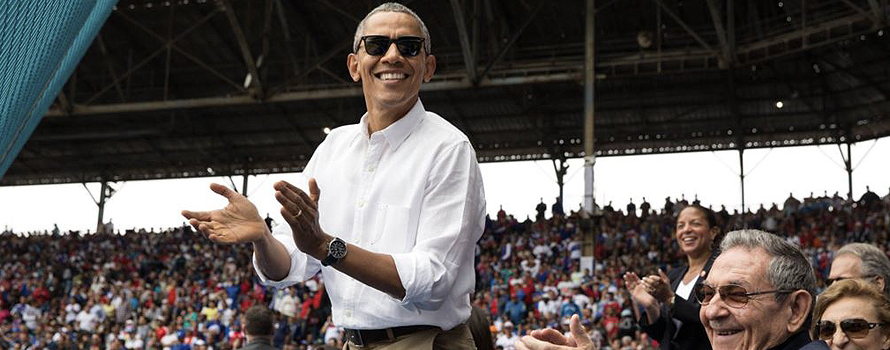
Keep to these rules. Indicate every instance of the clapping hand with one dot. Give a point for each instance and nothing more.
(237, 222)
(551, 339)
(300, 211)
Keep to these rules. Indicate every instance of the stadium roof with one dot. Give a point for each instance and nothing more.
(169, 88)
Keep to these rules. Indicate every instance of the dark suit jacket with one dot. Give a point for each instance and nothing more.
(691, 335)
(801, 341)
(259, 344)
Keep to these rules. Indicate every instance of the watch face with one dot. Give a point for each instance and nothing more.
(337, 248)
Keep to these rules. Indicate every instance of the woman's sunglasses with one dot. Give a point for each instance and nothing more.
(855, 328)
(377, 45)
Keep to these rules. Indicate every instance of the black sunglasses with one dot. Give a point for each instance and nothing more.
(377, 45)
(830, 281)
(855, 328)
(734, 296)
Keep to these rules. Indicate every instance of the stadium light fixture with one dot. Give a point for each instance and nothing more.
(780, 104)
(326, 130)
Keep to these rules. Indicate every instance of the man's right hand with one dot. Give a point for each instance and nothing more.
(237, 222)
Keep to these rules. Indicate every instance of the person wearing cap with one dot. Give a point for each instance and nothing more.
(863, 261)
(507, 337)
(394, 208)
(258, 328)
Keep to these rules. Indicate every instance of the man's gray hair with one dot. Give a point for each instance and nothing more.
(788, 266)
(874, 261)
(392, 7)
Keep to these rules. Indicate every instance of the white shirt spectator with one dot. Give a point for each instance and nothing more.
(412, 191)
(581, 300)
(86, 321)
(506, 341)
(541, 250)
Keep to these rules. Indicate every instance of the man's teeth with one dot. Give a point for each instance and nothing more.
(724, 333)
(392, 76)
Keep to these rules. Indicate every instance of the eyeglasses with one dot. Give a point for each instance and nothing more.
(830, 281)
(734, 296)
(855, 328)
(377, 45)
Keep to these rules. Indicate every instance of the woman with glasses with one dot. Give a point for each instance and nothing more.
(671, 309)
(853, 314)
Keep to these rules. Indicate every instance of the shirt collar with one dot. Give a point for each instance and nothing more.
(397, 132)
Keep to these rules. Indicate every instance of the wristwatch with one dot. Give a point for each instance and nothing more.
(336, 252)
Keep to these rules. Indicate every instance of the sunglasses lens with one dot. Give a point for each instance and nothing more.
(826, 329)
(704, 294)
(734, 296)
(409, 47)
(855, 328)
(376, 45)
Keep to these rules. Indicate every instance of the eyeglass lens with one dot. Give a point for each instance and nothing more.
(734, 296)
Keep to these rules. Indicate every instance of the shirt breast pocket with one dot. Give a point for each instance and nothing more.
(391, 231)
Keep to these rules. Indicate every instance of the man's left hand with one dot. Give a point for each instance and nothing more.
(301, 213)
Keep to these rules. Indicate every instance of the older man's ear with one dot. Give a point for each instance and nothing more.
(801, 306)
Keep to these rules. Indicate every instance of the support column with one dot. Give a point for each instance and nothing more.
(588, 226)
(101, 204)
(848, 163)
(742, 174)
(244, 184)
(560, 175)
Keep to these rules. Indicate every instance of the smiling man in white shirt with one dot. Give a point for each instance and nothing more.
(394, 208)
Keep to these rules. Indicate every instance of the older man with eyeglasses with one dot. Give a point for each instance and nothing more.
(759, 295)
(864, 261)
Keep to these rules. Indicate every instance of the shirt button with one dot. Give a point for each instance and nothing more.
(371, 169)
(361, 203)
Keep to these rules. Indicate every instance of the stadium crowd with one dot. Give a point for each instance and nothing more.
(176, 290)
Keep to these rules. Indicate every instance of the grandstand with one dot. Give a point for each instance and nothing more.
(196, 88)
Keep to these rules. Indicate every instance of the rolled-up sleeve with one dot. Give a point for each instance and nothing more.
(451, 221)
(302, 266)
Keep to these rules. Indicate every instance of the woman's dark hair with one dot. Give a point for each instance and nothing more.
(709, 214)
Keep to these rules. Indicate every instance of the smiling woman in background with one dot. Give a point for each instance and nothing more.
(671, 311)
(853, 314)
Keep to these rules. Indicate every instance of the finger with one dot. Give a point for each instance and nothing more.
(536, 344)
(301, 200)
(195, 223)
(550, 335)
(224, 191)
(300, 213)
(304, 198)
(578, 333)
(200, 215)
(289, 211)
(663, 276)
(314, 192)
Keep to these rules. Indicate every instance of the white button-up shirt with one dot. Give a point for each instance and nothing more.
(412, 190)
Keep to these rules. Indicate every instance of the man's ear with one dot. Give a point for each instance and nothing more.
(429, 69)
(800, 303)
(352, 65)
(881, 282)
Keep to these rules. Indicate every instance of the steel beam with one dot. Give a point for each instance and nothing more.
(728, 58)
(110, 67)
(875, 16)
(509, 44)
(685, 26)
(311, 94)
(244, 46)
(469, 59)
